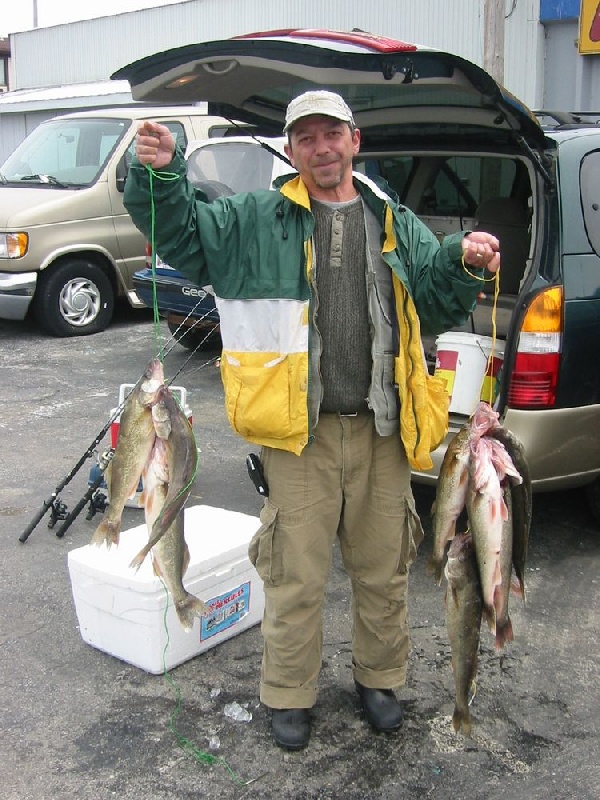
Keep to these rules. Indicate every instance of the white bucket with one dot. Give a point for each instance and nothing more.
(462, 361)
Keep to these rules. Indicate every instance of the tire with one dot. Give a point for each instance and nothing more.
(192, 339)
(592, 492)
(74, 298)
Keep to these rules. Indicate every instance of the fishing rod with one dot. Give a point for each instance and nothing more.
(58, 508)
(53, 503)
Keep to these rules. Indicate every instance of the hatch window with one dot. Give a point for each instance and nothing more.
(589, 177)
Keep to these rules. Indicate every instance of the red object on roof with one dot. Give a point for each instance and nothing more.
(376, 43)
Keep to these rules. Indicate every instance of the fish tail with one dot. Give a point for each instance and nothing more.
(461, 721)
(188, 609)
(107, 533)
(139, 559)
(504, 633)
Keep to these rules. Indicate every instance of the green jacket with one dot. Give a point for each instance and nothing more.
(256, 251)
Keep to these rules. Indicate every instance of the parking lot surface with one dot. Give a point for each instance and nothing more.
(80, 723)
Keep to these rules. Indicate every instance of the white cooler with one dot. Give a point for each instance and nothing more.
(122, 612)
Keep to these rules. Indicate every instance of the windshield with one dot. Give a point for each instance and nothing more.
(64, 152)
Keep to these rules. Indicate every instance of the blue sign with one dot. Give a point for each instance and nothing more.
(554, 10)
(225, 610)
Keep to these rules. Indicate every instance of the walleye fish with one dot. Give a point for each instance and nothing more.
(134, 445)
(463, 621)
(170, 555)
(182, 461)
(488, 514)
(503, 627)
(521, 501)
(450, 499)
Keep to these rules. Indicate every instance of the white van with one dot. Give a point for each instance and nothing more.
(68, 247)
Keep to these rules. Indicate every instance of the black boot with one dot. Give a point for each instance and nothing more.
(291, 727)
(381, 708)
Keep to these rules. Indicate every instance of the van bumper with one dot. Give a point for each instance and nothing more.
(562, 446)
(16, 293)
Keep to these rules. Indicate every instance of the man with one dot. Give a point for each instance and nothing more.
(324, 288)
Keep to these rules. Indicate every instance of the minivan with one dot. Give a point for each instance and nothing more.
(462, 153)
(68, 247)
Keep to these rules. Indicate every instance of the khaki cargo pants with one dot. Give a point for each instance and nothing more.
(352, 483)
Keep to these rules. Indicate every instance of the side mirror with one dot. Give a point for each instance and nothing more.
(122, 170)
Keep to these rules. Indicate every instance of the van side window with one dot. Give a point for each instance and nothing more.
(589, 177)
(179, 134)
(176, 129)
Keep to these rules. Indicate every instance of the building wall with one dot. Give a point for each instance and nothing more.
(111, 42)
(15, 127)
(571, 74)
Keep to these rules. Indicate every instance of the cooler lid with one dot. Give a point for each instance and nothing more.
(215, 537)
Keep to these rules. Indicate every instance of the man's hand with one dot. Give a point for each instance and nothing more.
(481, 250)
(154, 144)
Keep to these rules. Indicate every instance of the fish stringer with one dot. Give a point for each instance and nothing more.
(487, 387)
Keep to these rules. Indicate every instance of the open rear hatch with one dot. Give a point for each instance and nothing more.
(391, 86)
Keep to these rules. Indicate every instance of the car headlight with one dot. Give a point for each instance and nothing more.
(13, 245)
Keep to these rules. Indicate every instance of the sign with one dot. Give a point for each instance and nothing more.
(555, 10)
(589, 27)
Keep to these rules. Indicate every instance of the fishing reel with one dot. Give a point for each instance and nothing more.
(58, 510)
(99, 497)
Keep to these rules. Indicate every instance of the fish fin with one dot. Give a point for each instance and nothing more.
(139, 559)
(461, 722)
(490, 616)
(107, 533)
(435, 567)
(504, 633)
(156, 567)
(454, 595)
(188, 609)
(517, 586)
(473, 685)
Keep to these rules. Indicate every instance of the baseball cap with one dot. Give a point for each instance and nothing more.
(319, 101)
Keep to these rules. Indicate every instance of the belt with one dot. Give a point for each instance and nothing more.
(360, 413)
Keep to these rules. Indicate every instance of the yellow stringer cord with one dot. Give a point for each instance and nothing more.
(496, 279)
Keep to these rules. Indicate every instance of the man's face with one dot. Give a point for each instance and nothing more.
(321, 149)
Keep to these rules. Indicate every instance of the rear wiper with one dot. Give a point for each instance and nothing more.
(50, 179)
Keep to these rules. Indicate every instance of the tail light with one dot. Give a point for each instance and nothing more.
(535, 375)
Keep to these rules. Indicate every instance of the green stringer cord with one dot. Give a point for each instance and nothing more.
(162, 176)
(186, 744)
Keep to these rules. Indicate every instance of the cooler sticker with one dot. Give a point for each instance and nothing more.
(225, 610)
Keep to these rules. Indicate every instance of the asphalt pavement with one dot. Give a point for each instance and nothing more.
(80, 723)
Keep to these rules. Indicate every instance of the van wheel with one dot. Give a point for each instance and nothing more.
(74, 298)
(592, 491)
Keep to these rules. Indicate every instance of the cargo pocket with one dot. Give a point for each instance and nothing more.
(412, 536)
(262, 551)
